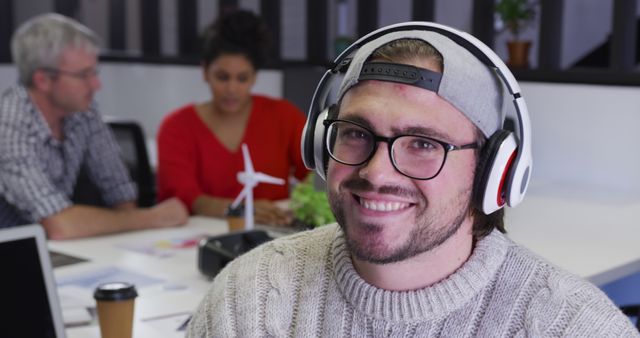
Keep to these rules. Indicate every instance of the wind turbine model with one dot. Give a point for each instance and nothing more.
(250, 178)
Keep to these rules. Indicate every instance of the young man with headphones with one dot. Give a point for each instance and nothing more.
(418, 168)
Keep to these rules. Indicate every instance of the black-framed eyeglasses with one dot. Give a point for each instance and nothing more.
(415, 156)
(83, 75)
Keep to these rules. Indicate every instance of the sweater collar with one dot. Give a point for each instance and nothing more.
(429, 303)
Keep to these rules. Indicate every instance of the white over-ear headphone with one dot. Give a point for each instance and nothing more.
(503, 173)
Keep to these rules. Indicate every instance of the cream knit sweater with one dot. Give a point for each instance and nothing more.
(305, 285)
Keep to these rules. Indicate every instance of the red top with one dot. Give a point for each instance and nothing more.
(192, 161)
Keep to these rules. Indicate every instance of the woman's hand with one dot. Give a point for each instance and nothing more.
(268, 213)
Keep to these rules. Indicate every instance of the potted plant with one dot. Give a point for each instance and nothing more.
(310, 207)
(515, 16)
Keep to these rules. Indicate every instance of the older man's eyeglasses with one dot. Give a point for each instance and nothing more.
(414, 156)
(83, 74)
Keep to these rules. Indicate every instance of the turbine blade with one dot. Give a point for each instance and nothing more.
(248, 165)
(264, 178)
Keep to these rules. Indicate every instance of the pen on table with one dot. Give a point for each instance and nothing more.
(183, 326)
(165, 316)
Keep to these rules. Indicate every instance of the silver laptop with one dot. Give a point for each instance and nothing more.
(30, 305)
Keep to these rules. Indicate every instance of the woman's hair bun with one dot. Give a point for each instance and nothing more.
(236, 32)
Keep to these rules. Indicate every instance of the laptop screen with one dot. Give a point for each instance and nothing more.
(29, 306)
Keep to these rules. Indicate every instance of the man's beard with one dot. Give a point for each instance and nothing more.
(69, 106)
(426, 233)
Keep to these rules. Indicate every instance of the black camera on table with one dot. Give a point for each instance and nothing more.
(215, 252)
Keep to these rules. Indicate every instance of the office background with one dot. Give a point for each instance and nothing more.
(566, 34)
(581, 89)
(584, 118)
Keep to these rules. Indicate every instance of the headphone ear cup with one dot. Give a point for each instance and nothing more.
(320, 154)
(332, 113)
(308, 139)
(491, 179)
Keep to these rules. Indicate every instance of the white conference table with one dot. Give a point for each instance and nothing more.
(595, 235)
(176, 286)
(597, 240)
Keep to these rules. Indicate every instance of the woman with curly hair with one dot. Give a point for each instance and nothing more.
(199, 145)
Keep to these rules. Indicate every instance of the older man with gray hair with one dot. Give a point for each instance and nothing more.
(50, 130)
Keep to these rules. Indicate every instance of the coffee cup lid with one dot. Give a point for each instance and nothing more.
(115, 291)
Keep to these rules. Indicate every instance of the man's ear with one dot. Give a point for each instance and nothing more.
(42, 81)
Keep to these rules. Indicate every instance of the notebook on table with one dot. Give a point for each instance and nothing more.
(30, 305)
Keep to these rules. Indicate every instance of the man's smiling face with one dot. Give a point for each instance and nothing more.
(386, 216)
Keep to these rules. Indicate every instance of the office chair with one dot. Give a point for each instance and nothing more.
(131, 139)
(633, 311)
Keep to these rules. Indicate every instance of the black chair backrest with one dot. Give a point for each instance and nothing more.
(132, 142)
(133, 146)
(633, 311)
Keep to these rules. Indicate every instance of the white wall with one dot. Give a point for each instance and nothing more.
(585, 137)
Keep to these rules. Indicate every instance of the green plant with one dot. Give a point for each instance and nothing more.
(516, 14)
(309, 205)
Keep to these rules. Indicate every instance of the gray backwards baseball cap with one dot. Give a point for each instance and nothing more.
(468, 84)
